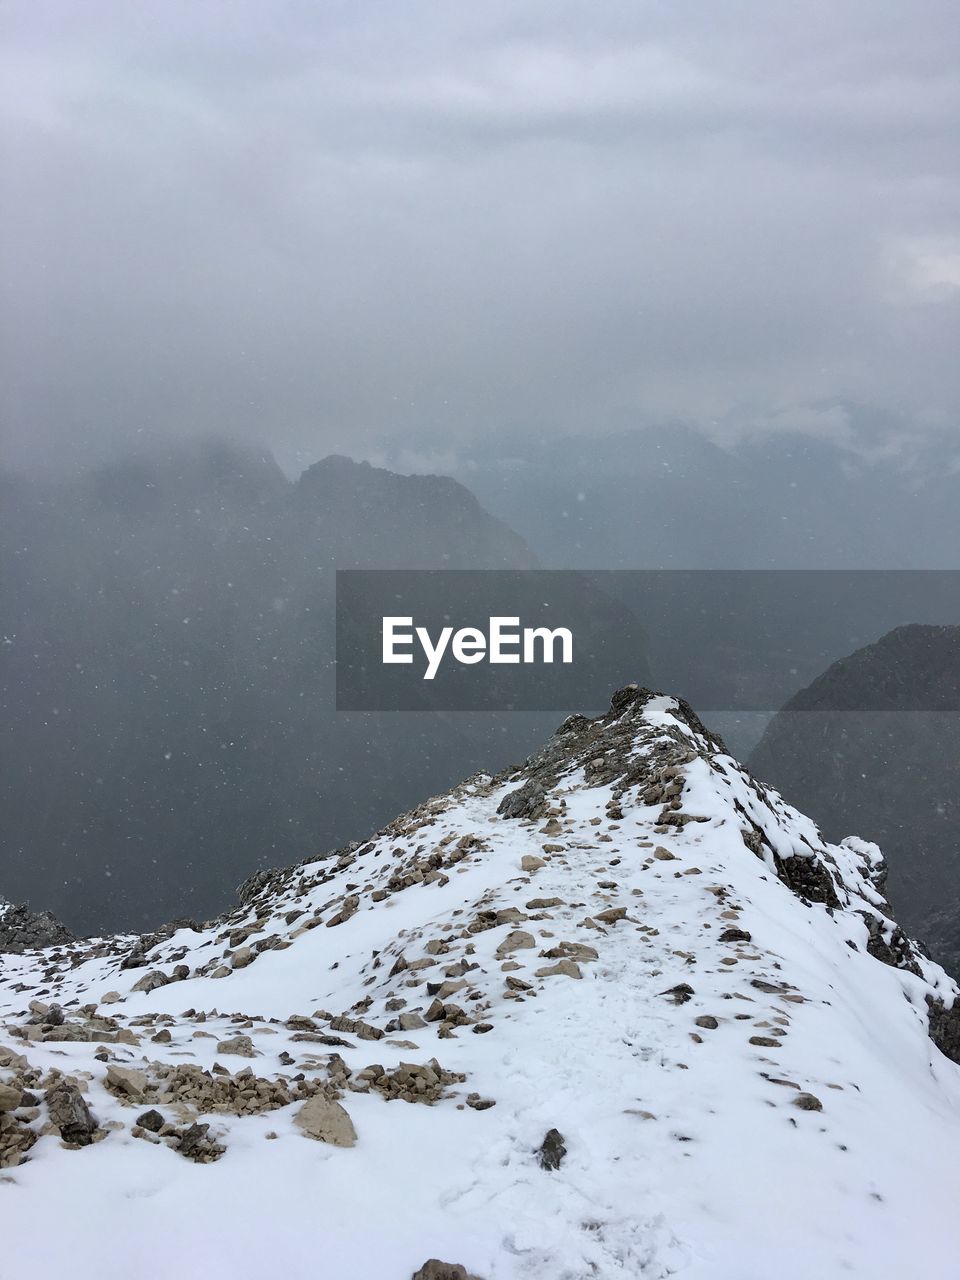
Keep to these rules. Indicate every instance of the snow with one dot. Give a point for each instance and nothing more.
(684, 1158)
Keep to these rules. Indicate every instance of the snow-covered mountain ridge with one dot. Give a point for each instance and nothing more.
(626, 940)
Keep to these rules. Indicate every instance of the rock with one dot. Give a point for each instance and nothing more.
(10, 1098)
(680, 994)
(542, 904)
(765, 1042)
(611, 915)
(150, 981)
(326, 1121)
(527, 801)
(411, 1022)
(151, 1120)
(479, 1104)
(735, 935)
(8, 1058)
(127, 1082)
(242, 1046)
(510, 915)
(568, 968)
(552, 1150)
(571, 951)
(664, 855)
(240, 959)
(516, 940)
(195, 1145)
(70, 1114)
(24, 930)
(348, 908)
(808, 1102)
(436, 1270)
(111, 997)
(708, 1021)
(530, 862)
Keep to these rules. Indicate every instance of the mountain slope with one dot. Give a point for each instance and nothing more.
(891, 774)
(626, 939)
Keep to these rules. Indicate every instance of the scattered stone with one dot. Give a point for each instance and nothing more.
(680, 994)
(241, 1046)
(151, 1120)
(736, 935)
(479, 1104)
(436, 1270)
(150, 981)
(664, 855)
(10, 1098)
(530, 862)
(68, 1111)
(571, 951)
(552, 1150)
(126, 1082)
(195, 1145)
(567, 968)
(708, 1021)
(807, 1102)
(516, 940)
(326, 1121)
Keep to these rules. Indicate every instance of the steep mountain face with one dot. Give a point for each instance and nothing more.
(619, 1011)
(892, 774)
(166, 675)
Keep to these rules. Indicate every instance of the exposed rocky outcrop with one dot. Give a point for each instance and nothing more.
(24, 930)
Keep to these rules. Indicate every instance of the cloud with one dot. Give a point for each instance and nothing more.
(332, 228)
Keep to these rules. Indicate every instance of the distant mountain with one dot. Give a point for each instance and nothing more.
(618, 1011)
(668, 497)
(166, 674)
(892, 775)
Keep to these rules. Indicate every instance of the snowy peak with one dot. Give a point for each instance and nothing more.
(642, 1004)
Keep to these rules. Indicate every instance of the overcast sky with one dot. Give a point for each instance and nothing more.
(324, 225)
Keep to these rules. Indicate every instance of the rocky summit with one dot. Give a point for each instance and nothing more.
(617, 1012)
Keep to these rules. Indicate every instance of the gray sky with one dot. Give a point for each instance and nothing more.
(324, 225)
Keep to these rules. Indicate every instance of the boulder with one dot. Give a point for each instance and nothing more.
(436, 1270)
(326, 1121)
(127, 1082)
(68, 1110)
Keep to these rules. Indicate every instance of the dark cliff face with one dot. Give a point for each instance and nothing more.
(24, 930)
(890, 775)
(166, 674)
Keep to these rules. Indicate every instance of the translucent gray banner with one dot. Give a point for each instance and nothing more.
(726, 640)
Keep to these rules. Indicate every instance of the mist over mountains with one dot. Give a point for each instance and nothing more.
(873, 497)
(167, 674)
(167, 665)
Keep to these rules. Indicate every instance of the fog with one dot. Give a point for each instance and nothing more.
(330, 227)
